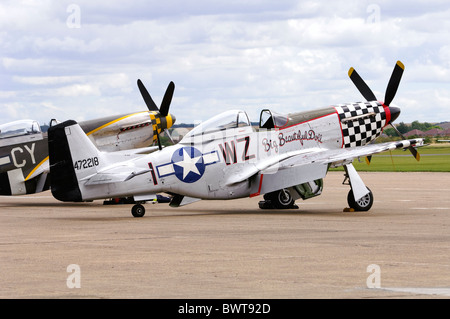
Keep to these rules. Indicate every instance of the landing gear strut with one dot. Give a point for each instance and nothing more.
(357, 187)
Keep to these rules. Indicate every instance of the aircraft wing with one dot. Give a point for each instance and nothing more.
(335, 157)
(339, 156)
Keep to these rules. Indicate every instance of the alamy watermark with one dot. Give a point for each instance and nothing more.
(374, 279)
(374, 15)
(74, 19)
(74, 279)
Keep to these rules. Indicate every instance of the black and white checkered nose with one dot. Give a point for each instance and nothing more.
(395, 112)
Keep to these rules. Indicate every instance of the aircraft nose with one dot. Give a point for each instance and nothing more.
(395, 112)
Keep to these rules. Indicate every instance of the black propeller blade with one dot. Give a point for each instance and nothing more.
(394, 82)
(391, 90)
(167, 99)
(165, 104)
(361, 85)
(411, 149)
(146, 96)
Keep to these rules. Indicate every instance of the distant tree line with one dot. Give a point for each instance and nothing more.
(405, 128)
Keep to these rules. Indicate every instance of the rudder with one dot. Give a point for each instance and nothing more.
(65, 141)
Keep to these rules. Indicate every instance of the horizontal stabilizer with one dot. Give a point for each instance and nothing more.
(113, 175)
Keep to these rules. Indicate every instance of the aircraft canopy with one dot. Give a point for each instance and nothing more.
(19, 128)
(223, 121)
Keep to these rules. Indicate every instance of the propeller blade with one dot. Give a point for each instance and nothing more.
(361, 85)
(169, 136)
(167, 99)
(394, 82)
(413, 151)
(147, 98)
(159, 141)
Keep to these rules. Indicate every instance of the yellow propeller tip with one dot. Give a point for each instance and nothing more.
(400, 64)
(350, 71)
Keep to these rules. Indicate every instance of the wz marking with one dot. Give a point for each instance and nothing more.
(229, 151)
(86, 163)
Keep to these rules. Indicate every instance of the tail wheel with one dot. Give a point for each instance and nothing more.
(363, 204)
(138, 210)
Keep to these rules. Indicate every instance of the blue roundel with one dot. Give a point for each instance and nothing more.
(188, 164)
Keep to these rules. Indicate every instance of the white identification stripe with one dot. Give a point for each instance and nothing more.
(165, 169)
(5, 160)
(16, 182)
(210, 158)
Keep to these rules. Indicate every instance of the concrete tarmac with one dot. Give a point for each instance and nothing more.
(232, 249)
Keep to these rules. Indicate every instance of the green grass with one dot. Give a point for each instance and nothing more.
(434, 158)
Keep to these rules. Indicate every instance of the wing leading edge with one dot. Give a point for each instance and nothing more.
(335, 158)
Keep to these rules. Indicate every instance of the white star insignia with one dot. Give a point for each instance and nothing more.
(188, 164)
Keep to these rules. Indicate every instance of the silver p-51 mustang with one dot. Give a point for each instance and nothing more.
(224, 158)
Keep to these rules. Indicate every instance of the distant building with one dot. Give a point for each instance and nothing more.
(430, 133)
(178, 133)
(433, 132)
(444, 125)
(414, 132)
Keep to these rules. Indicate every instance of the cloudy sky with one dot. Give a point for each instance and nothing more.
(81, 59)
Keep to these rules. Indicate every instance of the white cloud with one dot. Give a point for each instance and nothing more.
(46, 80)
(289, 55)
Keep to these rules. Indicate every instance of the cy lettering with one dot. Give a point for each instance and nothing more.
(17, 160)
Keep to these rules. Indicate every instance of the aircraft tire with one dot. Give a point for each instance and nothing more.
(138, 210)
(362, 205)
(281, 199)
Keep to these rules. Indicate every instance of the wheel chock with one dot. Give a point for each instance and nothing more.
(351, 210)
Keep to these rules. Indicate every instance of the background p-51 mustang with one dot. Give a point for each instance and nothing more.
(24, 164)
(225, 158)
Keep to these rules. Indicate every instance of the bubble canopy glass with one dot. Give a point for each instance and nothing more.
(223, 121)
(19, 128)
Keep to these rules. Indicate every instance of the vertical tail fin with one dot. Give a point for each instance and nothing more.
(72, 157)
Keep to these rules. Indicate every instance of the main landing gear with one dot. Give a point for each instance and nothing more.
(285, 198)
(280, 199)
(360, 197)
